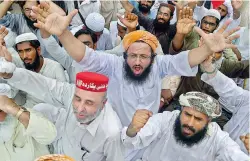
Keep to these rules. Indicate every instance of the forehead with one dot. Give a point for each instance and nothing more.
(30, 3)
(194, 112)
(139, 48)
(121, 27)
(165, 9)
(210, 19)
(85, 37)
(88, 95)
(24, 45)
(223, 7)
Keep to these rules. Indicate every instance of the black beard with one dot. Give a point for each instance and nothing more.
(30, 23)
(161, 26)
(35, 65)
(144, 9)
(131, 77)
(188, 141)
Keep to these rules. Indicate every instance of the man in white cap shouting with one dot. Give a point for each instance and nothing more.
(82, 114)
(95, 22)
(29, 50)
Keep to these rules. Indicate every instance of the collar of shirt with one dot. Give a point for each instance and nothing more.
(93, 126)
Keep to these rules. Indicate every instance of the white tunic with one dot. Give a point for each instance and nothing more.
(126, 97)
(50, 69)
(235, 97)
(158, 136)
(28, 144)
(99, 137)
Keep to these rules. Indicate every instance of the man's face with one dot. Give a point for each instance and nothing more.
(121, 31)
(139, 60)
(27, 8)
(163, 15)
(191, 126)
(87, 105)
(87, 40)
(223, 10)
(2, 116)
(145, 6)
(29, 55)
(208, 24)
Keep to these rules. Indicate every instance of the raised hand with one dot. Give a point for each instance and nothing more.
(3, 33)
(246, 141)
(53, 23)
(185, 21)
(6, 67)
(140, 118)
(216, 42)
(7, 105)
(130, 20)
(236, 4)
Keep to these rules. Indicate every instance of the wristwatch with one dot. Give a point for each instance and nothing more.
(21, 110)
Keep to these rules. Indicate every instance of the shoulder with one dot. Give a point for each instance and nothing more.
(51, 63)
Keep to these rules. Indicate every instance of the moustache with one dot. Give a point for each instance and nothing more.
(189, 127)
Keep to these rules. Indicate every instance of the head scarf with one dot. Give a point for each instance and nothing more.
(140, 35)
(229, 6)
(202, 103)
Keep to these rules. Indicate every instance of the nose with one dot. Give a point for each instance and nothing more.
(137, 62)
(191, 122)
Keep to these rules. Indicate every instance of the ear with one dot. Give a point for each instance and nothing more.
(39, 50)
(104, 102)
(171, 18)
(95, 46)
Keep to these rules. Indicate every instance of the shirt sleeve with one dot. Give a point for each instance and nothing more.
(142, 20)
(59, 73)
(228, 150)
(227, 90)
(40, 128)
(11, 21)
(147, 134)
(175, 65)
(98, 61)
(57, 52)
(43, 88)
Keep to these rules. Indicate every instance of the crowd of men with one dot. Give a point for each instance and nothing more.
(129, 80)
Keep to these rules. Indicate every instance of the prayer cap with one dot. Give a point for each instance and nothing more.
(213, 13)
(229, 6)
(95, 22)
(91, 81)
(55, 157)
(25, 37)
(140, 35)
(202, 103)
(120, 23)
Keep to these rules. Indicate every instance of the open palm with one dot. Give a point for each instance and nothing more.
(185, 21)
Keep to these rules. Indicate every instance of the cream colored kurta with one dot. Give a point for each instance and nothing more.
(95, 142)
(28, 144)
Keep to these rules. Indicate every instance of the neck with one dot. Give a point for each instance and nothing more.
(41, 64)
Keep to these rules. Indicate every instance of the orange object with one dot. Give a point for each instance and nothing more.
(55, 157)
(140, 35)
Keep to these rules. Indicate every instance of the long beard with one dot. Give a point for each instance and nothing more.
(144, 9)
(33, 66)
(188, 141)
(161, 26)
(30, 23)
(131, 77)
(88, 119)
(7, 128)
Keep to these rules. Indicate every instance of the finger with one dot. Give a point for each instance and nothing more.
(180, 15)
(39, 25)
(184, 12)
(150, 113)
(230, 32)
(231, 38)
(72, 14)
(190, 14)
(231, 46)
(187, 12)
(45, 5)
(200, 32)
(224, 26)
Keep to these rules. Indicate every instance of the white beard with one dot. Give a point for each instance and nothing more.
(7, 129)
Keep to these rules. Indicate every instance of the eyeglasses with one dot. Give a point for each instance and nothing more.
(163, 14)
(142, 57)
(27, 10)
(208, 23)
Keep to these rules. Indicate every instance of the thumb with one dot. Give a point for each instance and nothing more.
(200, 32)
(72, 14)
(242, 138)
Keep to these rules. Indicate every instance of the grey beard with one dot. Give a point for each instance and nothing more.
(7, 128)
(89, 118)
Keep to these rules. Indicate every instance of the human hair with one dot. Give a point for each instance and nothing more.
(86, 32)
(22, 3)
(34, 43)
(171, 7)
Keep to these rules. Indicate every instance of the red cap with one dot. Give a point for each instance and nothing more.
(217, 3)
(90, 81)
